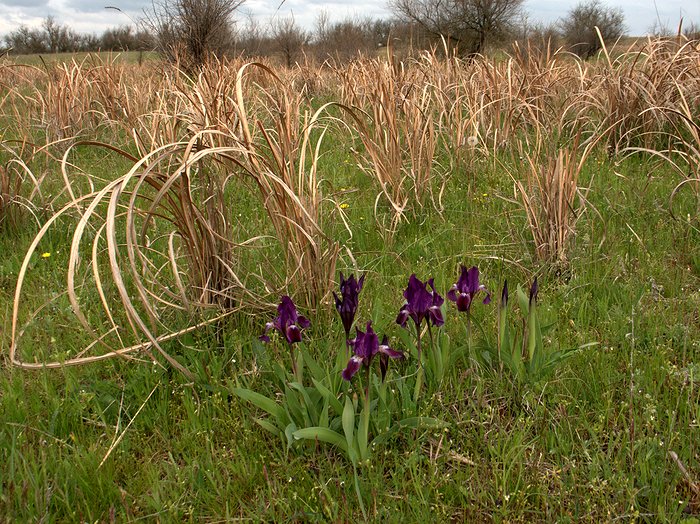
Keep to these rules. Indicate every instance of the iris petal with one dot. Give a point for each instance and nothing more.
(353, 367)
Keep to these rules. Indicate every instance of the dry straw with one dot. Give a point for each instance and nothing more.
(551, 196)
(162, 244)
(161, 235)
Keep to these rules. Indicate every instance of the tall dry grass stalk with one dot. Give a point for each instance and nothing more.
(20, 188)
(550, 195)
(393, 114)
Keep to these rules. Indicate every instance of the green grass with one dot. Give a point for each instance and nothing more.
(571, 449)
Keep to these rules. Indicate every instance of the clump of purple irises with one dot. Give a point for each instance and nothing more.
(422, 303)
(365, 346)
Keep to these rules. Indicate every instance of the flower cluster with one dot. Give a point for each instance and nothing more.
(422, 303)
(324, 408)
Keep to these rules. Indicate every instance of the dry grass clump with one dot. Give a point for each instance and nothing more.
(499, 101)
(393, 112)
(550, 195)
(139, 269)
(621, 96)
(682, 149)
(63, 100)
(164, 237)
(280, 155)
(20, 188)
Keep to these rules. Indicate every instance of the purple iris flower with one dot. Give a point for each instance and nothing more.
(288, 322)
(466, 288)
(421, 303)
(435, 311)
(533, 291)
(347, 304)
(365, 347)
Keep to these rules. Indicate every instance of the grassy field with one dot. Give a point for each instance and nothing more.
(421, 169)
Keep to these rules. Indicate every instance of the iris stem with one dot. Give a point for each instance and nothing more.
(367, 391)
(469, 338)
(418, 348)
(431, 355)
(419, 376)
(295, 369)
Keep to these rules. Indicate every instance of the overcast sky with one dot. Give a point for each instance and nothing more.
(91, 15)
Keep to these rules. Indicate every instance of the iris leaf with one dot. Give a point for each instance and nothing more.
(329, 396)
(322, 435)
(349, 422)
(262, 402)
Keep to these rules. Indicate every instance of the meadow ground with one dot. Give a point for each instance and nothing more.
(211, 198)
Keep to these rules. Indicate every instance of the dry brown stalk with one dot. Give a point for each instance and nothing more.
(551, 197)
(393, 112)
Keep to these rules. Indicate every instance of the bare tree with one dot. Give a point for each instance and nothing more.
(470, 24)
(537, 40)
(250, 40)
(578, 27)
(692, 32)
(289, 38)
(88, 42)
(349, 38)
(52, 37)
(57, 36)
(190, 31)
(24, 40)
(124, 38)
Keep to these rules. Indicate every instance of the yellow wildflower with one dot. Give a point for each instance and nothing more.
(344, 205)
(45, 255)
